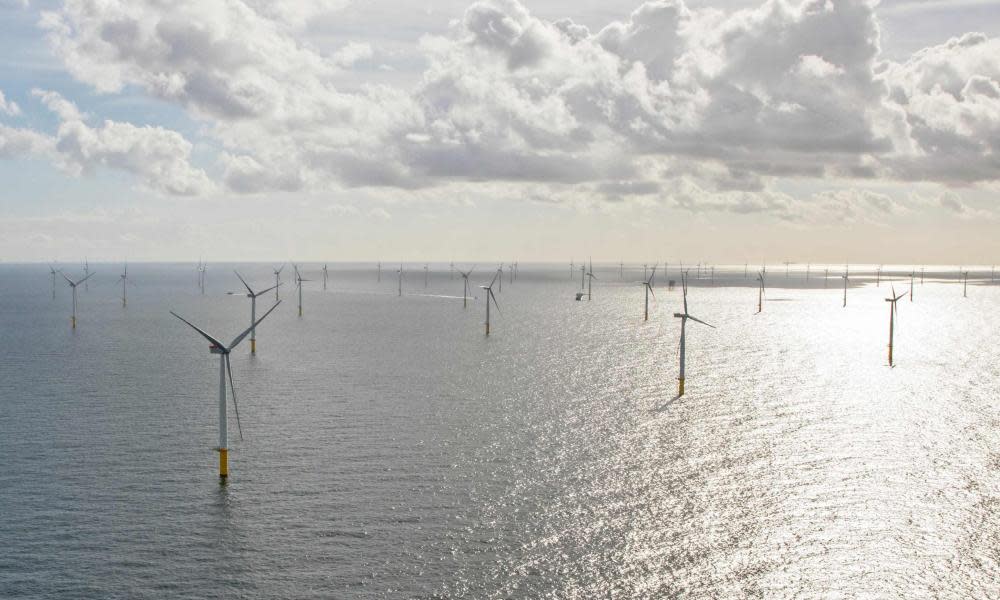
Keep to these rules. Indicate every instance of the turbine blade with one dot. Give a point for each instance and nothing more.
(244, 282)
(203, 334)
(262, 292)
(495, 303)
(240, 337)
(86, 278)
(494, 280)
(68, 280)
(700, 321)
(232, 388)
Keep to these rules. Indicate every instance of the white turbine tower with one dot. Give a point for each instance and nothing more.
(684, 319)
(892, 319)
(73, 285)
(217, 347)
(760, 293)
(965, 284)
(379, 267)
(253, 308)
(425, 275)
(125, 282)
(846, 276)
(590, 278)
(465, 286)
(277, 280)
(648, 284)
(400, 273)
(298, 284)
(325, 277)
(52, 271)
(490, 297)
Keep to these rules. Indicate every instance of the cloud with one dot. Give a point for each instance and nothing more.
(9, 107)
(736, 100)
(159, 157)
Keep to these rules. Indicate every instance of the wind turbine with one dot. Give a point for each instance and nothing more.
(225, 367)
(911, 285)
(490, 296)
(892, 319)
(380, 271)
(277, 280)
(684, 319)
(786, 268)
(500, 272)
(86, 272)
(760, 293)
(583, 276)
(125, 281)
(845, 276)
(298, 284)
(465, 284)
(621, 270)
(52, 271)
(325, 276)
(921, 276)
(590, 278)
(202, 268)
(826, 276)
(253, 308)
(648, 284)
(400, 273)
(572, 268)
(965, 284)
(878, 276)
(74, 285)
(425, 276)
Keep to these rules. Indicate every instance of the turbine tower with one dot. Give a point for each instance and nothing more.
(760, 293)
(253, 308)
(490, 297)
(684, 319)
(73, 285)
(225, 367)
(590, 278)
(325, 277)
(465, 286)
(52, 271)
(648, 284)
(125, 281)
(892, 319)
(277, 280)
(298, 284)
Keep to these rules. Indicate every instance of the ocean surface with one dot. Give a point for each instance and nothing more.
(392, 450)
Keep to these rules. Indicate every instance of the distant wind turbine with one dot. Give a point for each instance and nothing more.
(325, 277)
(590, 279)
(684, 319)
(648, 284)
(878, 276)
(52, 271)
(125, 282)
(225, 367)
(965, 284)
(298, 283)
(425, 275)
(846, 275)
(760, 293)
(400, 273)
(892, 319)
(490, 297)
(73, 285)
(380, 271)
(277, 280)
(253, 308)
(465, 286)
(86, 272)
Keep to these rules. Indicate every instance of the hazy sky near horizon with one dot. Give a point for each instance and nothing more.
(717, 130)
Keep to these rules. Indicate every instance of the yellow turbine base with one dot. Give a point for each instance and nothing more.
(680, 386)
(73, 321)
(253, 346)
(300, 311)
(223, 463)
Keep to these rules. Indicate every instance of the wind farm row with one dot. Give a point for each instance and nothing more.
(690, 277)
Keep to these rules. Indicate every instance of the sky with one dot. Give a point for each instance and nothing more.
(337, 130)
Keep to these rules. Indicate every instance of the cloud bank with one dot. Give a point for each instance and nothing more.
(704, 107)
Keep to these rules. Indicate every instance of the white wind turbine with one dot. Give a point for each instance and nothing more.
(53, 271)
(590, 278)
(400, 273)
(912, 273)
(73, 285)
(277, 280)
(465, 286)
(379, 271)
(253, 308)
(225, 367)
(648, 284)
(325, 277)
(846, 276)
(760, 293)
(489, 297)
(425, 275)
(892, 319)
(684, 319)
(965, 284)
(125, 282)
(298, 283)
